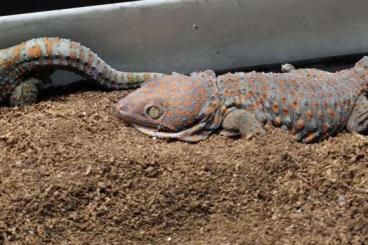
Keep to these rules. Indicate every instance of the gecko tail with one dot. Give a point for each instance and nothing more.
(68, 55)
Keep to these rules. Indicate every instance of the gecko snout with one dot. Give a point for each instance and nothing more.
(122, 108)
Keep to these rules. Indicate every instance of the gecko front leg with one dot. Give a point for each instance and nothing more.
(358, 121)
(242, 122)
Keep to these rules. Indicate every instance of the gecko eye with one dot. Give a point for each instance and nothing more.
(154, 112)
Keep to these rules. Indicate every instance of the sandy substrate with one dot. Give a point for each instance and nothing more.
(71, 171)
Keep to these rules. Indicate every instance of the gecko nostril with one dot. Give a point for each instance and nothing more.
(121, 103)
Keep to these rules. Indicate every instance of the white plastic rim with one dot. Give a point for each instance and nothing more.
(191, 35)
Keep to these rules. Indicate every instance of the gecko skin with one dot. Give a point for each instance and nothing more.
(312, 104)
(17, 64)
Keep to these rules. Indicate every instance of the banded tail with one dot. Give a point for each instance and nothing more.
(64, 54)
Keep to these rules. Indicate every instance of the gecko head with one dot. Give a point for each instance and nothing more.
(175, 106)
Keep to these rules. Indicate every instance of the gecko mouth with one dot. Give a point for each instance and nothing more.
(142, 123)
(185, 135)
(127, 117)
(158, 131)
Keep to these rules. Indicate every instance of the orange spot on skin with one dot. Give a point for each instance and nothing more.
(15, 56)
(275, 107)
(35, 51)
(48, 46)
(9, 63)
(309, 115)
(17, 51)
(300, 124)
(285, 111)
(295, 105)
(331, 113)
(283, 99)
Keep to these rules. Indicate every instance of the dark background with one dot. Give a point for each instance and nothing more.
(28, 6)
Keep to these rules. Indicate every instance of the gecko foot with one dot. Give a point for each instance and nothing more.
(25, 93)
